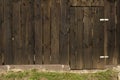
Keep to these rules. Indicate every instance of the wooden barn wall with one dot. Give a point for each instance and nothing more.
(48, 32)
(33, 32)
(118, 30)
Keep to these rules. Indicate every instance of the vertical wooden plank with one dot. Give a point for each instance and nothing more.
(72, 38)
(118, 30)
(84, 3)
(55, 25)
(46, 31)
(87, 38)
(27, 32)
(79, 37)
(64, 33)
(7, 32)
(98, 37)
(1, 32)
(16, 32)
(110, 14)
(38, 32)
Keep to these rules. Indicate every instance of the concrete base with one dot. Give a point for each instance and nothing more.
(17, 68)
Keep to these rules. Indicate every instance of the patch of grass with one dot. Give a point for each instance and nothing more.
(107, 75)
(35, 75)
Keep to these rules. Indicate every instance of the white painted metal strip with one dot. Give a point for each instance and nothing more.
(104, 56)
(104, 19)
(101, 19)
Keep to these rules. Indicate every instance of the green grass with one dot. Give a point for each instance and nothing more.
(34, 75)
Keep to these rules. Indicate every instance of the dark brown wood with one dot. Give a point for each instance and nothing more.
(64, 33)
(72, 38)
(46, 30)
(27, 32)
(16, 33)
(110, 14)
(76, 37)
(118, 30)
(7, 48)
(79, 37)
(98, 37)
(38, 32)
(87, 2)
(87, 43)
(60, 32)
(55, 26)
(1, 32)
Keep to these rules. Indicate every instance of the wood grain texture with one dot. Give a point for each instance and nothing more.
(64, 33)
(60, 32)
(27, 32)
(7, 32)
(98, 37)
(38, 32)
(72, 38)
(46, 5)
(87, 38)
(76, 38)
(16, 33)
(1, 32)
(79, 37)
(55, 26)
(110, 14)
(87, 3)
(118, 30)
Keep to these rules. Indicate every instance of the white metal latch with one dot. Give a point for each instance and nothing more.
(104, 19)
(104, 56)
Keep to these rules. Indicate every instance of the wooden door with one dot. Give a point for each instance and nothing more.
(86, 37)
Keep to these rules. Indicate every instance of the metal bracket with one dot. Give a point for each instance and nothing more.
(104, 19)
(104, 57)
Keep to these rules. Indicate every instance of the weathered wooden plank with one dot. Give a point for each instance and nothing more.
(98, 37)
(118, 30)
(27, 32)
(64, 33)
(38, 32)
(87, 38)
(55, 25)
(72, 39)
(46, 30)
(1, 32)
(87, 3)
(79, 14)
(16, 33)
(110, 14)
(7, 48)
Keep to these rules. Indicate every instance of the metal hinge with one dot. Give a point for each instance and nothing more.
(104, 56)
(104, 19)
